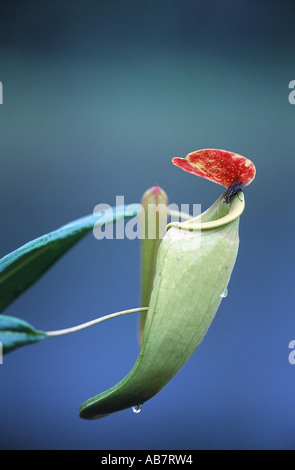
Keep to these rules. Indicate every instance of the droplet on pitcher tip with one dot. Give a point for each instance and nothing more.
(136, 409)
(224, 293)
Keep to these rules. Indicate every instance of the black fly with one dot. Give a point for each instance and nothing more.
(233, 189)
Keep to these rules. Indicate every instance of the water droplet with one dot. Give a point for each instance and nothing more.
(224, 293)
(136, 409)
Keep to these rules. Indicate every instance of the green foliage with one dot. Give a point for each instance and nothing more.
(24, 266)
(15, 333)
(154, 203)
(184, 277)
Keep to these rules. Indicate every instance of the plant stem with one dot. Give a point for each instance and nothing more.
(73, 329)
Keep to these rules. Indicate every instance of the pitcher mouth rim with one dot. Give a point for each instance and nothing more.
(204, 221)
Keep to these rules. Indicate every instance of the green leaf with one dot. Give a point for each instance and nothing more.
(154, 213)
(194, 264)
(15, 333)
(21, 268)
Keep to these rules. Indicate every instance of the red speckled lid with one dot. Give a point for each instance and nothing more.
(219, 166)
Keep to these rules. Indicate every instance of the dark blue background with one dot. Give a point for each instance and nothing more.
(98, 97)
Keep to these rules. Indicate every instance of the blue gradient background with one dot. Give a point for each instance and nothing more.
(98, 97)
